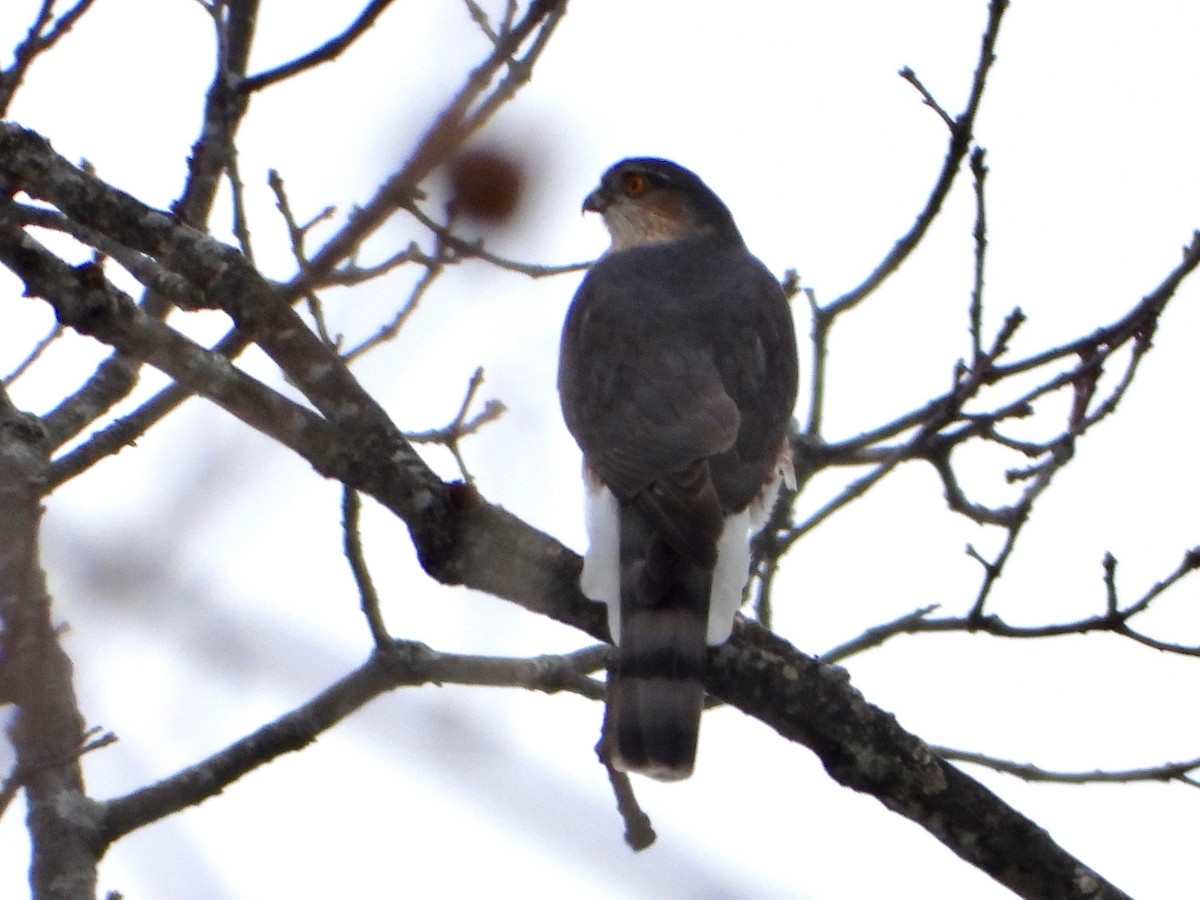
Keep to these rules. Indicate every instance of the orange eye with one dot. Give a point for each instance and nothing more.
(635, 185)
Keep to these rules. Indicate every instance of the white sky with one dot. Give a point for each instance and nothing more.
(201, 572)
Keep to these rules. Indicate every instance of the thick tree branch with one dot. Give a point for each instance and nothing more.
(47, 732)
(865, 749)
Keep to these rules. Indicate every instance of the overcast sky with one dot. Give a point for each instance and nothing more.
(201, 572)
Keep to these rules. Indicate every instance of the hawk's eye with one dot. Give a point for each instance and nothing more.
(635, 185)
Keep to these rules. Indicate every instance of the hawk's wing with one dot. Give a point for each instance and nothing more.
(666, 361)
(641, 398)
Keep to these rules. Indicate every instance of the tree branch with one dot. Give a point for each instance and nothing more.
(213, 151)
(327, 52)
(461, 117)
(1180, 771)
(41, 37)
(353, 550)
(397, 664)
(47, 732)
(1114, 619)
(961, 133)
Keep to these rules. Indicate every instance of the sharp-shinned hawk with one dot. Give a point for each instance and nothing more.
(677, 378)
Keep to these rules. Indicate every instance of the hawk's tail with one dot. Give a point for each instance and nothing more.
(656, 694)
(656, 684)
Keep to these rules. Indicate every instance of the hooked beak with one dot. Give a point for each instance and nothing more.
(596, 201)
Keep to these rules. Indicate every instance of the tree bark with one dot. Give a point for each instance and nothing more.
(36, 675)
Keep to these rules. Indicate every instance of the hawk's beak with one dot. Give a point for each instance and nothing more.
(596, 201)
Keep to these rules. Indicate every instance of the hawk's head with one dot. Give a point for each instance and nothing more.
(654, 201)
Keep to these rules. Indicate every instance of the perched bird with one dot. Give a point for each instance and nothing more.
(677, 378)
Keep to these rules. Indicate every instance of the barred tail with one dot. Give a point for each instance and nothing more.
(656, 684)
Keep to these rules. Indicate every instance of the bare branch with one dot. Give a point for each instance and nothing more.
(148, 272)
(464, 115)
(450, 435)
(475, 249)
(85, 300)
(125, 431)
(41, 37)
(296, 236)
(1137, 324)
(38, 349)
(878, 634)
(975, 315)
(911, 77)
(639, 831)
(434, 267)
(327, 52)
(1180, 771)
(961, 133)
(352, 547)
(481, 19)
(1114, 620)
(963, 814)
(47, 731)
(397, 664)
(241, 225)
(116, 377)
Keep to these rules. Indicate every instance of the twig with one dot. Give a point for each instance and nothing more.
(327, 52)
(475, 249)
(961, 130)
(352, 547)
(975, 316)
(241, 224)
(1133, 325)
(1178, 771)
(352, 273)
(93, 739)
(296, 236)
(481, 19)
(911, 77)
(639, 831)
(38, 40)
(450, 435)
(877, 635)
(39, 348)
(1114, 619)
(388, 331)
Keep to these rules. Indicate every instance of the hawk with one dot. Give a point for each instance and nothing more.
(677, 377)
